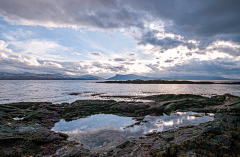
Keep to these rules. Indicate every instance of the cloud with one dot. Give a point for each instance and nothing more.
(17, 63)
(227, 67)
(178, 33)
(3, 47)
(189, 19)
(96, 54)
(51, 64)
(45, 48)
(119, 59)
(227, 47)
(169, 61)
(204, 21)
(18, 34)
(76, 53)
(72, 13)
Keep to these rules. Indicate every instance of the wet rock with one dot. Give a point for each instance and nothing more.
(75, 151)
(123, 145)
(34, 137)
(4, 115)
(131, 137)
(64, 136)
(74, 93)
(7, 140)
(216, 129)
(48, 137)
(198, 115)
(168, 137)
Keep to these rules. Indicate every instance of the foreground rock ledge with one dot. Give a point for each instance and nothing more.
(25, 128)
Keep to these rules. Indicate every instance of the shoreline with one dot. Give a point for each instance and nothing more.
(32, 135)
(138, 81)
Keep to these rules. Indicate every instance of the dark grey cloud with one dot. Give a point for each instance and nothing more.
(165, 43)
(119, 59)
(96, 53)
(120, 68)
(105, 14)
(203, 21)
(204, 18)
(168, 61)
(189, 54)
(195, 18)
(218, 67)
(153, 67)
(233, 51)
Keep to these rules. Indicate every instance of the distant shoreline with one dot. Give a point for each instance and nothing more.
(166, 82)
(50, 79)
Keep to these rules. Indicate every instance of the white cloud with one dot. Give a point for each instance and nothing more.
(3, 47)
(38, 47)
(166, 63)
(52, 64)
(14, 35)
(76, 53)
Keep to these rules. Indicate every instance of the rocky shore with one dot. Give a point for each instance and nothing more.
(25, 128)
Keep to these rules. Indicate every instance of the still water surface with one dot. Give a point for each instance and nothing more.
(102, 132)
(58, 91)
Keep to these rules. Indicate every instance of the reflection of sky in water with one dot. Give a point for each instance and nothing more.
(94, 122)
(102, 132)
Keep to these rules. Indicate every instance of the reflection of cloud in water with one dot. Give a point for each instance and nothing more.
(101, 132)
(95, 122)
(161, 123)
(169, 123)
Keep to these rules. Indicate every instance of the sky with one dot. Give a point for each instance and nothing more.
(156, 38)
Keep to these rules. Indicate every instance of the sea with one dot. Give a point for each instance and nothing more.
(59, 91)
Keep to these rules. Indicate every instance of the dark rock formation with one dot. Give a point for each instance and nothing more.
(30, 133)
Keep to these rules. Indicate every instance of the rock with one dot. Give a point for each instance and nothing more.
(123, 145)
(48, 137)
(74, 93)
(198, 115)
(7, 140)
(4, 115)
(65, 136)
(168, 137)
(75, 151)
(219, 137)
(131, 137)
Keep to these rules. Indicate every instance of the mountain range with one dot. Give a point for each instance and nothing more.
(58, 76)
(134, 77)
(130, 77)
(30, 76)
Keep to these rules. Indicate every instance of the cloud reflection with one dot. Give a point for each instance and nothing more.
(100, 132)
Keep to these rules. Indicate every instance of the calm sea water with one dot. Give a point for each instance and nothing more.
(58, 91)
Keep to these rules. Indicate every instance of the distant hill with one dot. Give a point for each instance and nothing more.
(130, 77)
(134, 77)
(30, 76)
(91, 77)
(196, 78)
(138, 81)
